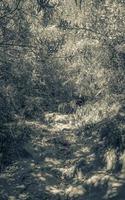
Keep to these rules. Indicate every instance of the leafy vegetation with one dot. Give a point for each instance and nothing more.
(62, 99)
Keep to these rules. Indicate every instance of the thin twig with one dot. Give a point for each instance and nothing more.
(10, 13)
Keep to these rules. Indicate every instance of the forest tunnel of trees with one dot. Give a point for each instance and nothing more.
(63, 60)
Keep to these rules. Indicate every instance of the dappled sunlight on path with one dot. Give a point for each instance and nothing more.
(62, 164)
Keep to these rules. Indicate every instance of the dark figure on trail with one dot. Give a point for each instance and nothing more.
(79, 3)
(80, 101)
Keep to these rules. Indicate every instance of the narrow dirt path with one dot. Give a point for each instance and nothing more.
(61, 164)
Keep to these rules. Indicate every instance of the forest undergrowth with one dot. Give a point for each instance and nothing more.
(62, 100)
(63, 158)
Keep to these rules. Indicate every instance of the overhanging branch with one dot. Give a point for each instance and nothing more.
(12, 11)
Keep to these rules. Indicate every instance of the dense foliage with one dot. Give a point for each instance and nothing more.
(63, 57)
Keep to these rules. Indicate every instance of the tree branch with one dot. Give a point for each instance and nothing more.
(12, 11)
